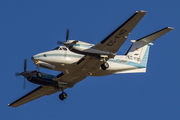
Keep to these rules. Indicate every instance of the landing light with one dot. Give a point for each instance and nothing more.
(36, 62)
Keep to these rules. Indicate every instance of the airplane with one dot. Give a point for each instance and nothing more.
(77, 60)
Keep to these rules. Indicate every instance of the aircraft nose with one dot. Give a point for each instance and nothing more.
(38, 57)
(32, 58)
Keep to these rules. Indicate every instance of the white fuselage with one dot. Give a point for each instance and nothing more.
(63, 59)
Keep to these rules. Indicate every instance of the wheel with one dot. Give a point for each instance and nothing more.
(62, 96)
(104, 66)
(39, 74)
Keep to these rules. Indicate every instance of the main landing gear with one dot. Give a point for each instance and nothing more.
(105, 65)
(62, 96)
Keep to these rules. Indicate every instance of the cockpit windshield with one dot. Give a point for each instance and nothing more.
(57, 48)
(60, 48)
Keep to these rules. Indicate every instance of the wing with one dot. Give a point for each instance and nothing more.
(114, 41)
(86, 66)
(36, 93)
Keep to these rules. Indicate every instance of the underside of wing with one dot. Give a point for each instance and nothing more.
(115, 40)
(36, 93)
(86, 66)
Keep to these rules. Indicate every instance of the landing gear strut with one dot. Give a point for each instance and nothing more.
(39, 74)
(62, 96)
(105, 65)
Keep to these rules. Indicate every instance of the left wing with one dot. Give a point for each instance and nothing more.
(84, 67)
(115, 40)
(36, 93)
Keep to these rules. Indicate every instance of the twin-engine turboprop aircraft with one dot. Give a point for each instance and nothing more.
(77, 60)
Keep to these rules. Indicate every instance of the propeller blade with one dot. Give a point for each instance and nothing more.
(67, 35)
(24, 85)
(25, 64)
(17, 74)
(63, 43)
(59, 42)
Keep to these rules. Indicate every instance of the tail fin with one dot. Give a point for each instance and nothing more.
(139, 51)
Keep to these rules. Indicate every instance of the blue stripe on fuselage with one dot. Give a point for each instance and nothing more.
(143, 63)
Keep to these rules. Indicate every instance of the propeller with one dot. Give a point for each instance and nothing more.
(67, 43)
(25, 66)
(67, 37)
(24, 84)
(23, 73)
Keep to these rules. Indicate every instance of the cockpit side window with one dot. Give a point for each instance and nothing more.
(65, 49)
(60, 48)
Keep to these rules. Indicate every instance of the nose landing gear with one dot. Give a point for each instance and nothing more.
(38, 74)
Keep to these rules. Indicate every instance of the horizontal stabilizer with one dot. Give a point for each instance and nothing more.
(150, 38)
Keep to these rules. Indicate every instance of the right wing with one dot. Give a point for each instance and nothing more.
(115, 40)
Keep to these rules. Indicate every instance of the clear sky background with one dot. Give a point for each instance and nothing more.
(28, 27)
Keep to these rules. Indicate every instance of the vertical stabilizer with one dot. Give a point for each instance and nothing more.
(139, 50)
(138, 53)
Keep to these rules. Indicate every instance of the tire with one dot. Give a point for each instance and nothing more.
(104, 66)
(61, 97)
(64, 95)
(39, 74)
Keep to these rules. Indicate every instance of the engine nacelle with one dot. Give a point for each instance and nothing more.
(86, 49)
(44, 80)
(47, 80)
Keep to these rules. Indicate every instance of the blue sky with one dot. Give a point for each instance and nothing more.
(30, 27)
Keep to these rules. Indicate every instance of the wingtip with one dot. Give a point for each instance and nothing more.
(10, 105)
(141, 11)
(171, 28)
